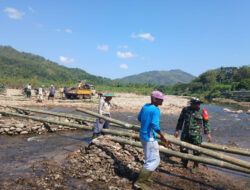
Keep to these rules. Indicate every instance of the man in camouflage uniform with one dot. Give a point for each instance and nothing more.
(193, 118)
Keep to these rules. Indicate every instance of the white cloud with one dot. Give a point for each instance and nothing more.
(123, 47)
(123, 66)
(144, 36)
(31, 9)
(125, 55)
(103, 47)
(66, 60)
(68, 31)
(13, 13)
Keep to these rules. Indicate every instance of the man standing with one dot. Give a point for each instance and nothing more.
(103, 109)
(149, 118)
(28, 92)
(52, 93)
(193, 118)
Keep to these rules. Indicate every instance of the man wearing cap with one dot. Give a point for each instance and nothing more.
(191, 120)
(103, 109)
(149, 118)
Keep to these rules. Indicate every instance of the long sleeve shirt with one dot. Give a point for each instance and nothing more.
(149, 118)
(104, 107)
(191, 121)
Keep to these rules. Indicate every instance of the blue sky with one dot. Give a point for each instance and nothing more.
(115, 38)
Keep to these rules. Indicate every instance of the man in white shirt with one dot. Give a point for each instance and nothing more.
(103, 109)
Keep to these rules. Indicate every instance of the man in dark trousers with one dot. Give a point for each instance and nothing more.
(191, 121)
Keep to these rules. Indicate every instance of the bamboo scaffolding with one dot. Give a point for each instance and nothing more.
(122, 133)
(176, 141)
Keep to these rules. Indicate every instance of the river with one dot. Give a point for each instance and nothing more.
(19, 153)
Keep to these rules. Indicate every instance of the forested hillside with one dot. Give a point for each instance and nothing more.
(18, 68)
(214, 83)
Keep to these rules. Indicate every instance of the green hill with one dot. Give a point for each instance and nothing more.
(19, 68)
(159, 77)
(222, 82)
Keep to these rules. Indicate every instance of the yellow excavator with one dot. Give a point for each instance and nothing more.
(83, 91)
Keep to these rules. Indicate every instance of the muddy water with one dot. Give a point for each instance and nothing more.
(19, 153)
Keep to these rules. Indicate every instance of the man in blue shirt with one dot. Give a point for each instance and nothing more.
(149, 118)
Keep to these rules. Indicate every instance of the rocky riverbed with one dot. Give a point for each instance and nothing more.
(105, 164)
(18, 126)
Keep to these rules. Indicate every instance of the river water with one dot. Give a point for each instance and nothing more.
(19, 153)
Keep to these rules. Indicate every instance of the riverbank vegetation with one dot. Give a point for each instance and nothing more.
(219, 83)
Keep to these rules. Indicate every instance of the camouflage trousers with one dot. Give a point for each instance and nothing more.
(195, 141)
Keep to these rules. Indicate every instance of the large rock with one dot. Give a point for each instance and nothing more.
(1, 130)
(232, 111)
(35, 128)
(6, 129)
(2, 121)
(18, 130)
(24, 133)
(19, 125)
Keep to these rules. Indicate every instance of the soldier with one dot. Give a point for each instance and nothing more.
(193, 118)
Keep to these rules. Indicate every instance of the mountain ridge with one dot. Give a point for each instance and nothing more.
(159, 77)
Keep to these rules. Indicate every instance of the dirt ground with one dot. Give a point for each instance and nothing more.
(122, 102)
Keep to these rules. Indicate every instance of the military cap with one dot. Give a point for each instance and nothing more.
(195, 100)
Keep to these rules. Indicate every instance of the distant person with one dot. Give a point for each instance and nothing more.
(51, 93)
(28, 90)
(79, 85)
(103, 109)
(149, 119)
(65, 91)
(40, 94)
(191, 120)
(100, 95)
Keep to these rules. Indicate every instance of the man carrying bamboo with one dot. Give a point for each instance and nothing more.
(149, 118)
(193, 118)
(103, 109)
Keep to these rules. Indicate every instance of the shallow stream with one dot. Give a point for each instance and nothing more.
(18, 153)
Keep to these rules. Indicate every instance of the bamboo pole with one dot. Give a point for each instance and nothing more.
(217, 147)
(125, 125)
(209, 161)
(115, 132)
(176, 141)
(58, 114)
(223, 148)
(44, 120)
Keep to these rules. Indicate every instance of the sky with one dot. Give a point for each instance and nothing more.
(117, 38)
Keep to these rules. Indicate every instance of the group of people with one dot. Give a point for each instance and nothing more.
(191, 121)
(41, 92)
